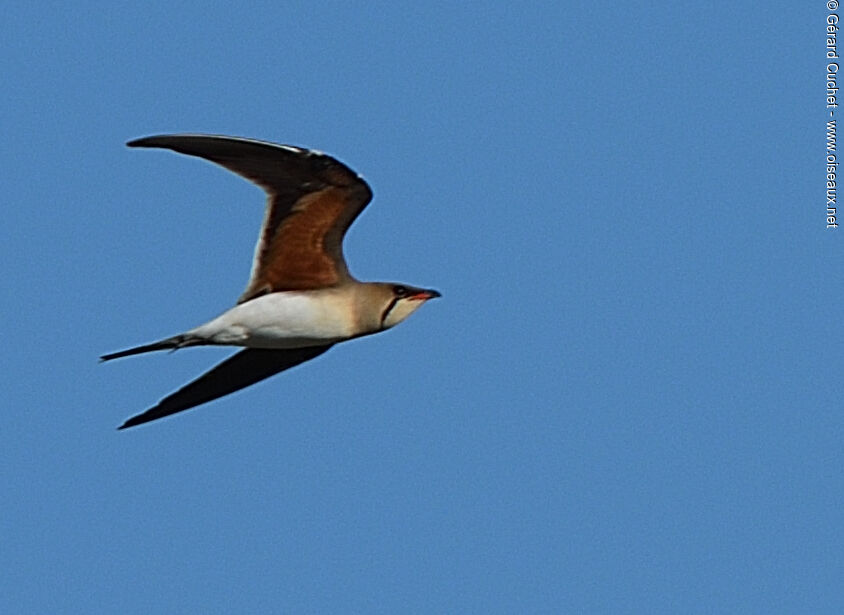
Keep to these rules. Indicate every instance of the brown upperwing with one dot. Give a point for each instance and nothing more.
(312, 200)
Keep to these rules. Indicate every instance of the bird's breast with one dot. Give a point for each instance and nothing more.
(284, 320)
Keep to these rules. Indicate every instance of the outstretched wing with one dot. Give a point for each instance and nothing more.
(246, 367)
(312, 200)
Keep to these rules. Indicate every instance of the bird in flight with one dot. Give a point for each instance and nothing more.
(301, 298)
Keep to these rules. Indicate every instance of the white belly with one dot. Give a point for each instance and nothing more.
(281, 320)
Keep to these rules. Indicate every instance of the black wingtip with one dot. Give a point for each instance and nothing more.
(131, 422)
(137, 142)
(152, 141)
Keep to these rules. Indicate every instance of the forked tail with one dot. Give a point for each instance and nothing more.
(171, 343)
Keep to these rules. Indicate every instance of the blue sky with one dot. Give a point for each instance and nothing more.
(626, 401)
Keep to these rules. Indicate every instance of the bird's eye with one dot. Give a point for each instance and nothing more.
(399, 291)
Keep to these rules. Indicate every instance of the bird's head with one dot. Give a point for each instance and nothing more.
(398, 301)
